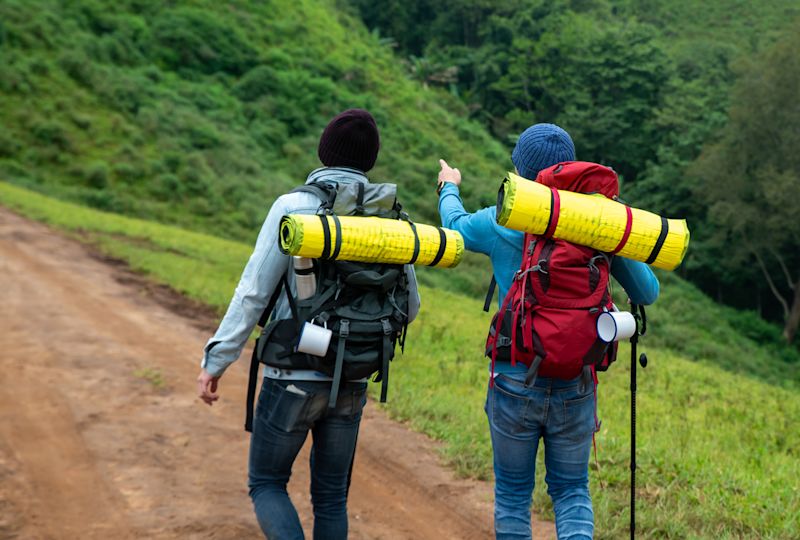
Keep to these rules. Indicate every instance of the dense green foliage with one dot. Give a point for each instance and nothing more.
(641, 86)
(751, 176)
(201, 113)
(718, 444)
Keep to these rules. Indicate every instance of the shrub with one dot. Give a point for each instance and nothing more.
(9, 146)
(187, 38)
(15, 77)
(123, 92)
(167, 186)
(81, 121)
(12, 170)
(196, 176)
(51, 133)
(97, 175)
(127, 172)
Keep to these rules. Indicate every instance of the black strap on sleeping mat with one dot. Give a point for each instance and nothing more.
(338, 242)
(660, 242)
(326, 237)
(416, 243)
(442, 247)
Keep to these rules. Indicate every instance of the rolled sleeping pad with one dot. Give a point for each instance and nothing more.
(593, 221)
(369, 239)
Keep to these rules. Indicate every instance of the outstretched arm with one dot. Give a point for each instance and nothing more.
(478, 229)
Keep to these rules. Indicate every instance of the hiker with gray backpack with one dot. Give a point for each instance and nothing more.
(328, 326)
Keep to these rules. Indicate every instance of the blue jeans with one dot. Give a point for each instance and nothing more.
(286, 412)
(519, 416)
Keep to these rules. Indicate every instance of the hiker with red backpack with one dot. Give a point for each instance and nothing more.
(360, 309)
(543, 343)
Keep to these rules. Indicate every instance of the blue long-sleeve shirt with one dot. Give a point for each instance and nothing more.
(482, 234)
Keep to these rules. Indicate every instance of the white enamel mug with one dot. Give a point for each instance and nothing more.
(314, 340)
(615, 326)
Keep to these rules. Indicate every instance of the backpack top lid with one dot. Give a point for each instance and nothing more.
(581, 177)
(359, 198)
(354, 198)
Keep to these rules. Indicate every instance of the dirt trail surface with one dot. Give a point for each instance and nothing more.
(101, 435)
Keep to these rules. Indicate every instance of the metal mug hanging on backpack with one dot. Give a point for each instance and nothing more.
(314, 339)
(615, 325)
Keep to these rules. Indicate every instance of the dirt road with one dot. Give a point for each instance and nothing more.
(101, 435)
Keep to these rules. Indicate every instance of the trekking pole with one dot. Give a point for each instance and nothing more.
(641, 327)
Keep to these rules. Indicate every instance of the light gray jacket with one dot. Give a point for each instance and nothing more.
(263, 272)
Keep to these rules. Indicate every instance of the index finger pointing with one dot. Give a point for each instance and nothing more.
(443, 164)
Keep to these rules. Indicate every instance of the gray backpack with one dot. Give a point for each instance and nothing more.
(365, 305)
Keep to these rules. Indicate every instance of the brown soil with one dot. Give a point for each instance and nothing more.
(101, 435)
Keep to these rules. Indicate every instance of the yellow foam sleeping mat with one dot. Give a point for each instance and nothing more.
(593, 221)
(369, 239)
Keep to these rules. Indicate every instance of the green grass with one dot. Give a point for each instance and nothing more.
(718, 413)
(152, 376)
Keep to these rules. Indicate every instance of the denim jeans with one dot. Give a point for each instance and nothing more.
(519, 416)
(286, 412)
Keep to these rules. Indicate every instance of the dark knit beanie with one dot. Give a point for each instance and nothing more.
(541, 146)
(350, 140)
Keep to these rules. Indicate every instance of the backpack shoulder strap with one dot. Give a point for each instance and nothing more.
(487, 304)
(253, 375)
(325, 192)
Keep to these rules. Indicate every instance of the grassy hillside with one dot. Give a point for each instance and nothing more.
(718, 444)
(200, 113)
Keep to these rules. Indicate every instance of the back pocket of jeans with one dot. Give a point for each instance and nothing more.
(289, 410)
(351, 400)
(579, 417)
(507, 413)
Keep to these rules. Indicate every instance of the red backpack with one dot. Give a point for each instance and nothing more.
(548, 319)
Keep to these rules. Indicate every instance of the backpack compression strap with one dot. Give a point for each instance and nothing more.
(627, 233)
(386, 356)
(555, 211)
(344, 332)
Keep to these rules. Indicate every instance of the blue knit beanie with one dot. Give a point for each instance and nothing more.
(541, 146)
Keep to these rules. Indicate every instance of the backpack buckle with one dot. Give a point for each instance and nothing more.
(387, 327)
(339, 287)
(344, 328)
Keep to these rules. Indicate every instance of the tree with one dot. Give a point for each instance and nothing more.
(750, 178)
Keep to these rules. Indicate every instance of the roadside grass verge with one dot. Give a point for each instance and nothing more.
(718, 415)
